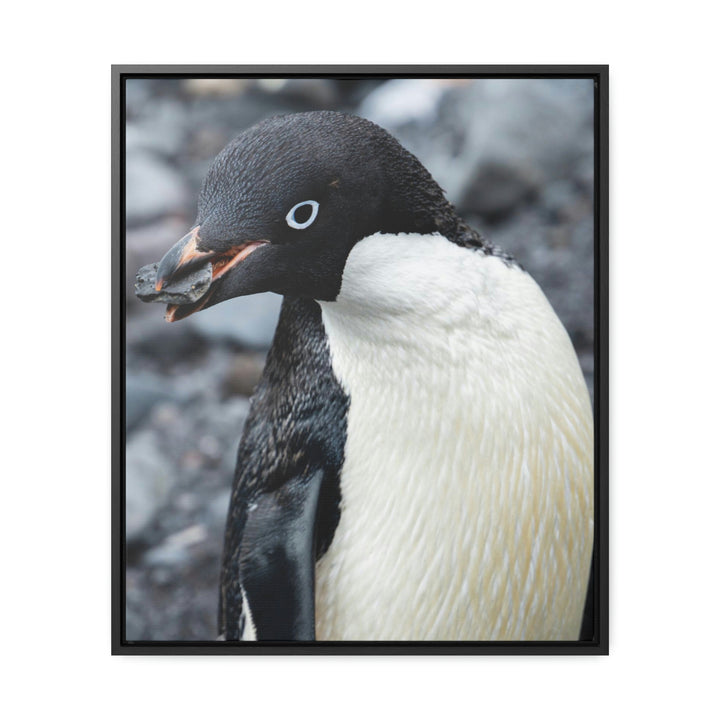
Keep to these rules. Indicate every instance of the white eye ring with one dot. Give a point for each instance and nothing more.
(290, 217)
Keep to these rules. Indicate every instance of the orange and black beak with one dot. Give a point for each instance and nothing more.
(181, 258)
(185, 258)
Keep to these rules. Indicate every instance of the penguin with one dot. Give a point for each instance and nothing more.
(417, 463)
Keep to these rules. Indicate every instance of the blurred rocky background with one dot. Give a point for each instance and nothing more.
(515, 156)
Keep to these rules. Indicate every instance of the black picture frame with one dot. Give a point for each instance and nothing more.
(599, 645)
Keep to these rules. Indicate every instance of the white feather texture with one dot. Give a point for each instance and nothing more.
(467, 488)
(249, 631)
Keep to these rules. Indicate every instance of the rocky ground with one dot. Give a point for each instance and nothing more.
(515, 156)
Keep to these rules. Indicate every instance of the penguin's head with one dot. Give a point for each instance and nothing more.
(285, 202)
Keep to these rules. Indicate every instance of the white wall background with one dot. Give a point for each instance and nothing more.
(55, 529)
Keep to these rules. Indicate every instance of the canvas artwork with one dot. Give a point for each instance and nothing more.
(361, 389)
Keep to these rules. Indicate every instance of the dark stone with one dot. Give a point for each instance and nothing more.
(153, 189)
(496, 190)
(246, 322)
(243, 375)
(142, 393)
(182, 291)
(153, 341)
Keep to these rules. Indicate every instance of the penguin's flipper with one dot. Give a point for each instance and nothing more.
(277, 560)
(285, 502)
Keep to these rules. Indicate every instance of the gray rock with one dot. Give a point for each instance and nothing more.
(149, 480)
(399, 103)
(496, 190)
(246, 321)
(160, 127)
(138, 93)
(218, 507)
(175, 549)
(182, 291)
(587, 363)
(543, 127)
(147, 244)
(142, 392)
(223, 423)
(162, 344)
(216, 87)
(316, 94)
(243, 374)
(559, 198)
(152, 189)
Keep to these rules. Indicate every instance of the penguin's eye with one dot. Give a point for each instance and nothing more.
(302, 215)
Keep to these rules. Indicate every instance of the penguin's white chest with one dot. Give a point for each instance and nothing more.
(467, 485)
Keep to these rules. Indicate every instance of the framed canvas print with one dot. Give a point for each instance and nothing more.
(360, 360)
